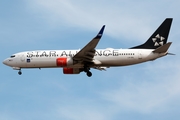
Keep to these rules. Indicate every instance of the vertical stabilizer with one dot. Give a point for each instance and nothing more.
(159, 37)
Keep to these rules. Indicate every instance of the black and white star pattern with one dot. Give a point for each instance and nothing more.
(158, 40)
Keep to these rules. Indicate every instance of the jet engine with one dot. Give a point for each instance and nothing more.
(64, 61)
(71, 70)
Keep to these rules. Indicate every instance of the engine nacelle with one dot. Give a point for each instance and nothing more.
(64, 61)
(71, 70)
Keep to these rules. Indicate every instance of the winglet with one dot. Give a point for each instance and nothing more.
(163, 48)
(99, 35)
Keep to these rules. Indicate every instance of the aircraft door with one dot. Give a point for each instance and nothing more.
(140, 55)
(22, 60)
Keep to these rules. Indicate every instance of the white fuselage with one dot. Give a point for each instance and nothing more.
(106, 57)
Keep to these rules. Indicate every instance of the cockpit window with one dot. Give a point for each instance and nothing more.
(12, 56)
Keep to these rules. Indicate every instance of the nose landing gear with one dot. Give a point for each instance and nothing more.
(19, 72)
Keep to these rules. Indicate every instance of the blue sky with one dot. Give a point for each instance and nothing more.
(145, 91)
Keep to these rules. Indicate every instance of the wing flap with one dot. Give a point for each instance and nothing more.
(101, 68)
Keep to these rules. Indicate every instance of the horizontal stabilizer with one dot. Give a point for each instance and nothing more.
(163, 48)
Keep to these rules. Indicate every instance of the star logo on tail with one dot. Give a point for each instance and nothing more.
(158, 40)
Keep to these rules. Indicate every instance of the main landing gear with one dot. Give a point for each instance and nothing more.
(19, 72)
(88, 73)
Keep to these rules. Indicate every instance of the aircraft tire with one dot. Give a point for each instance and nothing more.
(89, 74)
(20, 73)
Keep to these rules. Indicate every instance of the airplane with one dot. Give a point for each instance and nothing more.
(77, 61)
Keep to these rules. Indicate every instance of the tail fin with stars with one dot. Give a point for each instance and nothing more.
(158, 38)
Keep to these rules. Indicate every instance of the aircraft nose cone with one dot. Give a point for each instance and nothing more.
(5, 62)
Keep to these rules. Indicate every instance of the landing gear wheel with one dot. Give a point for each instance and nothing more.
(86, 70)
(19, 72)
(89, 74)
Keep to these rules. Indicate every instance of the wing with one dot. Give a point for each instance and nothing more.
(87, 53)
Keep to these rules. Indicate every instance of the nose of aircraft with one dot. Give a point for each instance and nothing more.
(5, 62)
